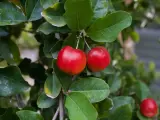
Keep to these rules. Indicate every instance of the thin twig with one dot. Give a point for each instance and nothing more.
(61, 107)
(87, 44)
(56, 114)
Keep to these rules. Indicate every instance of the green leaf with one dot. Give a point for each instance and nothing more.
(52, 47)
(106, 29)
(79, 107)
(44, 101)
(28, 115)
(104, 107)
(114, 83)
(71, 40)
(10, 14)
(110, 70)
(11, 81)
(9, 51)
(52, 86)
(33, 10)
(48, 3)
(122, 100)
(141, 117)
(100, 8)
(122, 113)
(94, 89)
(142, 90)
(54, 15)
(47, 29)
(78, 14)
(64, 78)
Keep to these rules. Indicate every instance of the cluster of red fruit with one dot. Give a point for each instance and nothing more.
(73, 61)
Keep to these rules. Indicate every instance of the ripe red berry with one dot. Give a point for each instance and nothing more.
(98, 58)
(71, 61)
(148, 107)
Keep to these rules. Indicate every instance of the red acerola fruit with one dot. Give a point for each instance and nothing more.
(98, 58)
(149, 107)
(71, 61)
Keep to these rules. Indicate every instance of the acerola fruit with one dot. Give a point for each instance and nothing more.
(149, 107)
(98, 58)
(71, 61)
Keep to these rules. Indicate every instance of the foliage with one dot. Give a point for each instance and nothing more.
(112, 94)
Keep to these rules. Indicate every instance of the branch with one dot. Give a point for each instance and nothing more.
(56, 114)
(61, 107)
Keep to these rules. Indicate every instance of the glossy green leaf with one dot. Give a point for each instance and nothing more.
(106, 29)
(10, 14)
(47, 29)
(9, 51)
(47, 3)
(78, 14)
(44, 101)
(79, 107)
(72, 40)
(114, 83)
(11, 81)
(28, 115)
(33, 9)
(122, 113)
(100, 8)
(122, 100)
(52, 86)
(142, 90)
(104, 107)
(141, 117)
(54, 15)
(64, 78)
(110, 70)
(52, 47)
(94, 89)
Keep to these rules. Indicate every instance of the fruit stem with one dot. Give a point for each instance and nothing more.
(56, 114)
(77, 43)
(61, 107)
(87, 44)
(78, 38)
